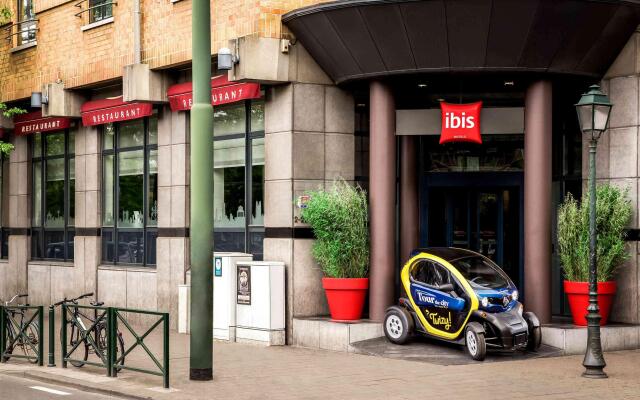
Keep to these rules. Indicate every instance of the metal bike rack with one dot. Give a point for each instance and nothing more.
(7, 346)
(119, 364)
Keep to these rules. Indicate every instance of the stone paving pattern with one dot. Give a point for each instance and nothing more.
(252, 372)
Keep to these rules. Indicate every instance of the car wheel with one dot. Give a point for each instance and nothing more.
(535, 331)
(475, 342)
(398, 325)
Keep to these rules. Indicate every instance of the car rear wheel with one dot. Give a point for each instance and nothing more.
(398, 325)
(475, 342)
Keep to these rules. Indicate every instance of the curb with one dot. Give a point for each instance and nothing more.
(54, 379)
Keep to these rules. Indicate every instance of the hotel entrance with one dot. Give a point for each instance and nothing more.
(471, 196)
(463, 211)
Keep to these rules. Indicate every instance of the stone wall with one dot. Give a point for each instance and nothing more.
(618, 164)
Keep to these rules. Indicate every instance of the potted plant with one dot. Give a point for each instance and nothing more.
(613, 213)
(339, 219)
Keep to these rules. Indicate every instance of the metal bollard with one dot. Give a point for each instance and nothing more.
(52, 336)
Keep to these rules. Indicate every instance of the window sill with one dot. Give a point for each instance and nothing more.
(128, 268)
(24, 47)
(52, 263)
(97, 24)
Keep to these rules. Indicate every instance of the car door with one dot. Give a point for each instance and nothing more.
(438, 298)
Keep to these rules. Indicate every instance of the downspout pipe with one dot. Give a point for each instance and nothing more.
(137, 36)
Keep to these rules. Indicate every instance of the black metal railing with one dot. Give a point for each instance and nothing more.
(21, 333)
(97, 12)
(27, 28)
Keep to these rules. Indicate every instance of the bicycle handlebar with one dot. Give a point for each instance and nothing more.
(74, 300)
(15, 297)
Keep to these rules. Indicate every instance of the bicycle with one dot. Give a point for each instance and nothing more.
(95, 337)
(14, 330)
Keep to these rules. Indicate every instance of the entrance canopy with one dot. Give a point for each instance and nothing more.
(359, 39)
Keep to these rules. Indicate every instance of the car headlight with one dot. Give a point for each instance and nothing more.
(484, 302)
(514, 295)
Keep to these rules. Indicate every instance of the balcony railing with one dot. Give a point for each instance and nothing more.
(22, 32)
(95, 13)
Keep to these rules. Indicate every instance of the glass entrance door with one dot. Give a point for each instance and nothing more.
(482, 219)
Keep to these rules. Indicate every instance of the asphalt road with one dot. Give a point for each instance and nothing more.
(15, 388)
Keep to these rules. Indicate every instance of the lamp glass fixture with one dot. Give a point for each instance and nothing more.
(594, 109)
(36, 99)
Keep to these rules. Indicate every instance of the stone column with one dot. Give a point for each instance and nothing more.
(14, 278)
(309, 142)
(88, 211)
(409, 210)
(172, 258)
(382, 190)
(537, 200)
(618, 163)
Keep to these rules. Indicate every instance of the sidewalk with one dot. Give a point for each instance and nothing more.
(252, 372)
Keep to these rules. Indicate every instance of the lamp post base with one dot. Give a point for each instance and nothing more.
(594, 373)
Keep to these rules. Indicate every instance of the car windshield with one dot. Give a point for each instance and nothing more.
(481, 273)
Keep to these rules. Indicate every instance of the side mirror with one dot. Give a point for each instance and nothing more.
(447, 287)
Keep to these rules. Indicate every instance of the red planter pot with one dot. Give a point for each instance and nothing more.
(345, 297)
(578, 295)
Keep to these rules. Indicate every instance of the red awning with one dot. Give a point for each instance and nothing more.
(98, 112)
(222, 92)
(33, 122)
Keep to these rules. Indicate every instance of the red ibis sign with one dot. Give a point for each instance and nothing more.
(460, 122)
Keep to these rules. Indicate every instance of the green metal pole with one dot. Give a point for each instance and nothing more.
(52, 336)
(63, 335)
(165, 354)
(593, 359)
(40, 336)
(201, 228)
(3, 334)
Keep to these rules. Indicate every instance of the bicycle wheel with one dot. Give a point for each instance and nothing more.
(30, 346)
(103, 343)
(73, 337)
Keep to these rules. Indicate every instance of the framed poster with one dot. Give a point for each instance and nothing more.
(244, 284)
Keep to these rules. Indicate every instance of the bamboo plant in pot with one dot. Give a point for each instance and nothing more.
(613, 213)
(339, 219)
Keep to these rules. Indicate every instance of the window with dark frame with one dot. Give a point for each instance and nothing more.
(130, 191)
(26, 22)
(100, 10)
(53, 188)
(238, 145)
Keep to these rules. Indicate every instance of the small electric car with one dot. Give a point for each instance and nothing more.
(462, 297)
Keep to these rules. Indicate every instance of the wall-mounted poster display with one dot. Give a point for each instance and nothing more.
(244, 284)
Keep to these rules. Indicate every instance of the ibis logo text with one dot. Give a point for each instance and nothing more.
(460, 122)
(454, 121)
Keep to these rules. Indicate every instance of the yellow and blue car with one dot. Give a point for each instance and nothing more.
(463, 297)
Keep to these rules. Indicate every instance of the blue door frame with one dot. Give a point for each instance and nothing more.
(474, 181)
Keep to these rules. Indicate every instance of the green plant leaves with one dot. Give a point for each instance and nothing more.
(339, 219)
(613, 214)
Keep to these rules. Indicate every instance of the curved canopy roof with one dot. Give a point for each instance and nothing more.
(361, 39)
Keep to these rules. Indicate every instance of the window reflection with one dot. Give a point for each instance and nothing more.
(130, 191)
(238, 177)
(53, 188)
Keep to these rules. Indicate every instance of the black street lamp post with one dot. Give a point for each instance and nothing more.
(593, 110)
